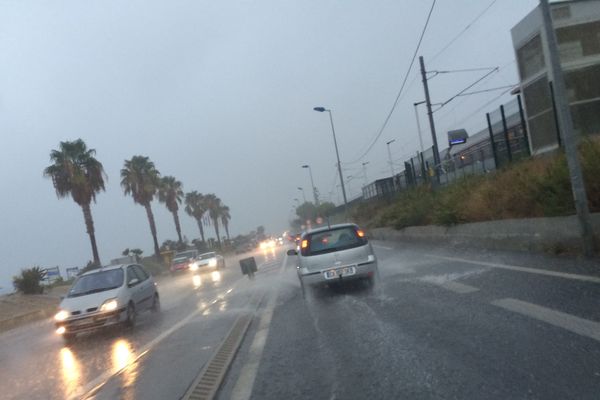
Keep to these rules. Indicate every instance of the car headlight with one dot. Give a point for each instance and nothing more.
(193, 267)
(109, 305)
(61, 315)
(212, 262)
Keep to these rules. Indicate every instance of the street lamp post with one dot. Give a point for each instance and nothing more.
(303, 195)
(419, 123)
(390, 156)
(337, 154)
(312, 182)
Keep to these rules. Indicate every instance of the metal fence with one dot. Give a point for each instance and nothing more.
(503, 141)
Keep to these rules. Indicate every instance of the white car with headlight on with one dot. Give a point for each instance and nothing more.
(104, 297)
(208, 262)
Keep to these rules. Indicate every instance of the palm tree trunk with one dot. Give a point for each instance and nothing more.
(152, 229)
(177, 225)
(201, 228)
(216, 221)
(226, 225)
(89, 224)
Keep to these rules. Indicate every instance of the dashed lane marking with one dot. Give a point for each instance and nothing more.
(455, 287)
(560, 319)
(382, 247)
(564, 275)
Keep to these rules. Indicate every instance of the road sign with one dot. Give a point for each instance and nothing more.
(72, 272)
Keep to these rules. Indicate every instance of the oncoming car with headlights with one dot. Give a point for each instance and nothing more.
(335, 254)
(207, 261)
(106, 296)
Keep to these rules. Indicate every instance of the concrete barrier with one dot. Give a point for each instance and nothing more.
(555, 234)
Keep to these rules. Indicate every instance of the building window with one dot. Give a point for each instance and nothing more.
(531, 58)
(577, 41)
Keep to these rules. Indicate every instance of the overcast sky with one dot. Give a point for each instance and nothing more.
(220, 95)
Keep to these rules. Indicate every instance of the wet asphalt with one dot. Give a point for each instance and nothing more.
(442, 323)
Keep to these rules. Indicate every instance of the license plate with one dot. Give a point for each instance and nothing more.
(335, 273)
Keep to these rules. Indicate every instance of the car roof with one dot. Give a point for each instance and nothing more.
(330, 227)
(104, 268)
(210, 252)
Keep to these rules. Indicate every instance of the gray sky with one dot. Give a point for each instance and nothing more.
(220, 95)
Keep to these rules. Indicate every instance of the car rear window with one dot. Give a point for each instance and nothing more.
(206, 256)
(331, 241)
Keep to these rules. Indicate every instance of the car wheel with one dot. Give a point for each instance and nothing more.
(155, 303)
(131, 316)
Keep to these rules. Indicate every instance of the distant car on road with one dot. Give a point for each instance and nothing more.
(183, 260)
(207, 261)
(104, 297)
(335, 254)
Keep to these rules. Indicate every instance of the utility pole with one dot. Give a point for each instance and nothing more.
(569, 140)
(436, 153)
(415, 105)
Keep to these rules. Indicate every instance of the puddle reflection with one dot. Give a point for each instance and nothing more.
(70, 371)
(123, 358)
(215, 276)
(197, 281)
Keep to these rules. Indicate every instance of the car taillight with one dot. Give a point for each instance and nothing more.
(304, 244)
(360, 233)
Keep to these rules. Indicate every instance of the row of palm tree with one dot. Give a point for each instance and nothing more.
(76, 172)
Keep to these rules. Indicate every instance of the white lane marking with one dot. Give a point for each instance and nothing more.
(455, 287)
(382, 247)
(577, 277)
(94, 385)
(245, 382)
(563, 320)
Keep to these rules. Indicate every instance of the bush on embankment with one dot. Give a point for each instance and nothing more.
(536, 187)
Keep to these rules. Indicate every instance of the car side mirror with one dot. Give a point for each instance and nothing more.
(133, 282)
(292, 252)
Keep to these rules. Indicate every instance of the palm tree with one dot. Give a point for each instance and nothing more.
(170, 192)
(141, 180)
(195, 206)
(214, 206)
(76, 172)
(225, 218)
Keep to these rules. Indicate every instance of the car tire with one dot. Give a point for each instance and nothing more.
(131, 316)
(155, 303)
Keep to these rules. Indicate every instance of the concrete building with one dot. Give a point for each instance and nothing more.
(577, 24)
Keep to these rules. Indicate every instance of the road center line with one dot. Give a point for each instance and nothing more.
(562, 320)
(245, 382)
(96, 384)
(577, 277)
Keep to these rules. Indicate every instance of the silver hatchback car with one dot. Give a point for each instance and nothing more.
(334, 254)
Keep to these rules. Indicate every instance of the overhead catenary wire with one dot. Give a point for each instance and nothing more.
(468, 87)
(462, 32)
(389, 115)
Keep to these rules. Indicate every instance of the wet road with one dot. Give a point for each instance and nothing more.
(444, 324)
(158, 359)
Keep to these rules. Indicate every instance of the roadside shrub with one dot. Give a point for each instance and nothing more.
(449, 207)
(590, 163)
(413, 207)
(29, 281)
